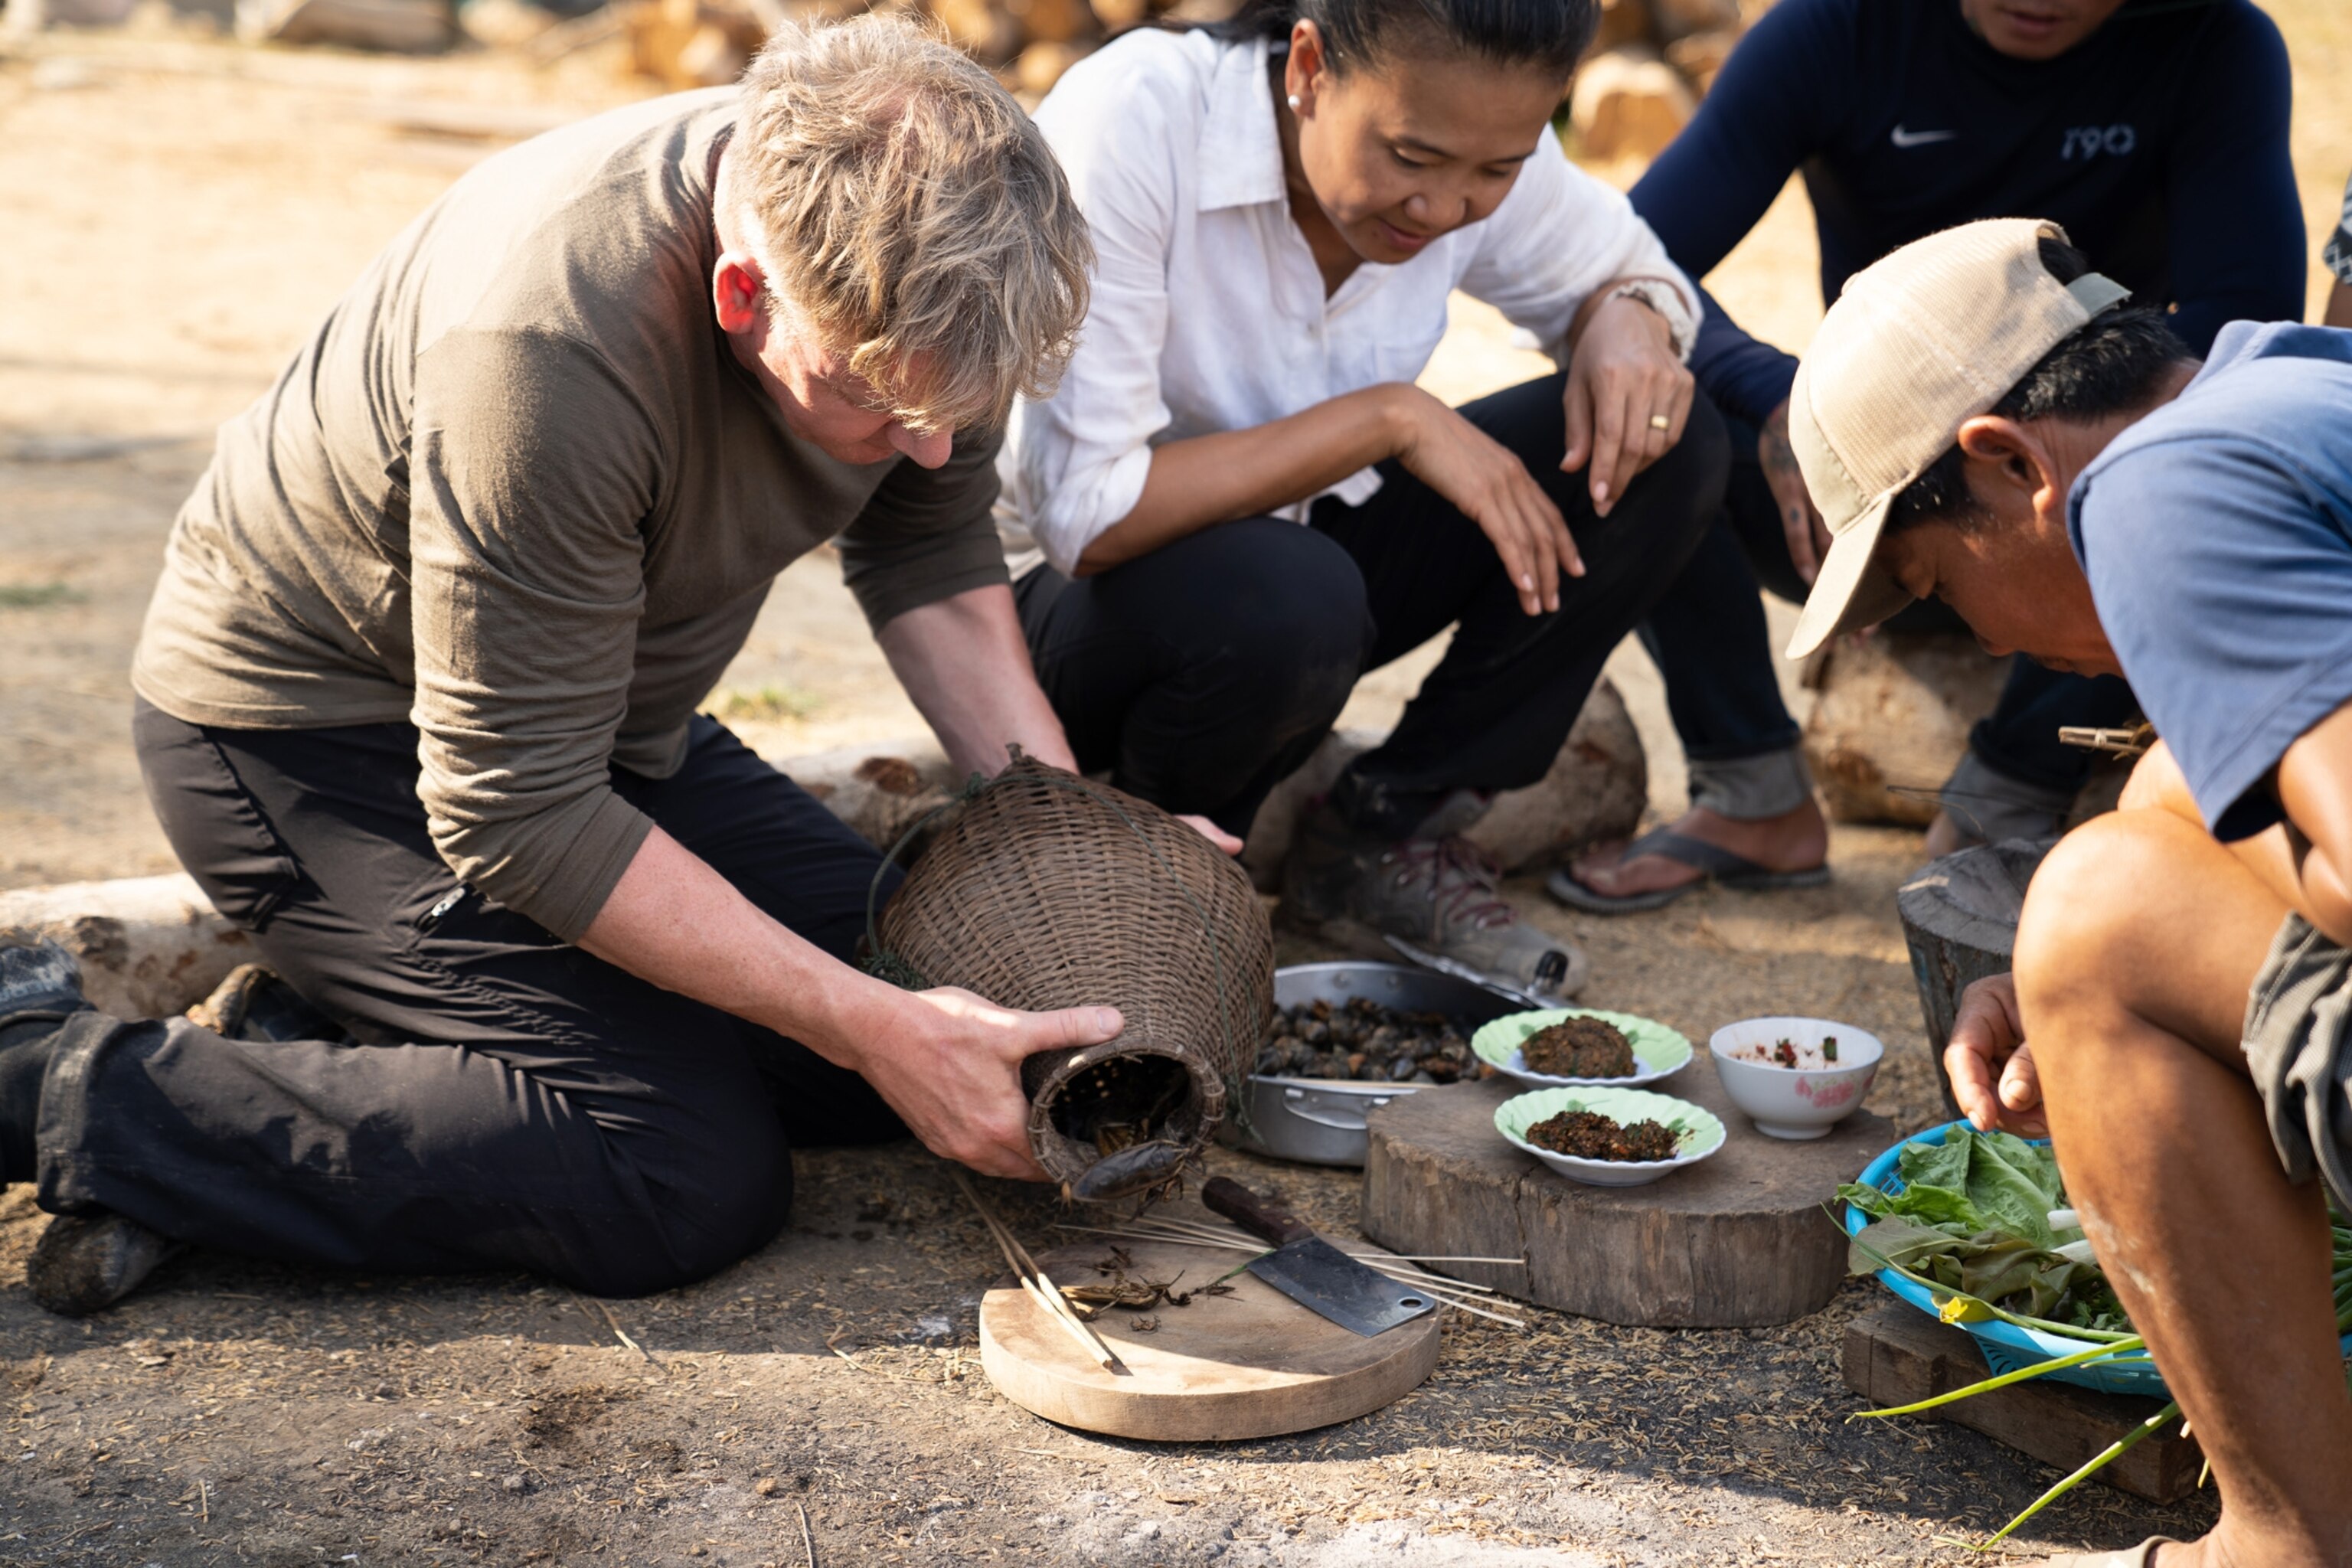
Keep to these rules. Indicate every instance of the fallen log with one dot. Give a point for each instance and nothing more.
(1893, 721)
(149, 946)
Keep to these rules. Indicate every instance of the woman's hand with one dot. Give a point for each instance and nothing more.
(1487, 483)
(1800, 521)
(1628, 396)
(1213, 833)
(1990, 1064)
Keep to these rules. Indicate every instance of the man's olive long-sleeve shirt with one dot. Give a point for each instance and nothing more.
(518, 490)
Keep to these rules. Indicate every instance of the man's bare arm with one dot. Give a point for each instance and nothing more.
(946, 1061)
(2306, 860)
(2314, 786)
(965, 663)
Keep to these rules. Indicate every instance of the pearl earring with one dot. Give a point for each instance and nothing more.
(1294, 103)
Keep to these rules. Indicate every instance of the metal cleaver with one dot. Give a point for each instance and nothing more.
(1310, 1270)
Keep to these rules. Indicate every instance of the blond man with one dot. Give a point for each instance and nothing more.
(561, 968)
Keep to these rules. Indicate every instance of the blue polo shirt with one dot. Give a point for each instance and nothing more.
(2160, 141)
(2217, 534)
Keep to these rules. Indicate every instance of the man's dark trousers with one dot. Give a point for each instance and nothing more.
(507, 1100)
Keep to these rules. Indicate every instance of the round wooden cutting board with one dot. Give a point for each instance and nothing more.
(1254, 1363)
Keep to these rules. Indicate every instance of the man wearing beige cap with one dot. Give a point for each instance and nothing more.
(1982, 420)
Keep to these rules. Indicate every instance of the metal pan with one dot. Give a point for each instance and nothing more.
(1318, 1120)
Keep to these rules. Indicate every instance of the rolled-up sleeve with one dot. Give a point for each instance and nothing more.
(1556, 238)
(531, 470)
(927, 533)
(1081, 458)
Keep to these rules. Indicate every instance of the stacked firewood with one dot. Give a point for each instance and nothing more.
(1648, 67)
(1028, 43)
(1650, 64)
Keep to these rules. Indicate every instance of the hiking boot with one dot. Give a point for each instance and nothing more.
(1356, 890)
(40, 988)
(257, 1004)
(84, 1263)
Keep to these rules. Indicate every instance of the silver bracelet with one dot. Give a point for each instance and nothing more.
(1667, 302)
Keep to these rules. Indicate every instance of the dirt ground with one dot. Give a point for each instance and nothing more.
(179, 213)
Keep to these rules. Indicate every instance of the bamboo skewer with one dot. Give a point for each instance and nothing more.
(1390, 1262)
(1216, 1233)
(1040, 1285)
(1202, 1235)
(1453, 1293)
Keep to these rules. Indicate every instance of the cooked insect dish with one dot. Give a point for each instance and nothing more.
(1591, 1136)
(1579, 1047)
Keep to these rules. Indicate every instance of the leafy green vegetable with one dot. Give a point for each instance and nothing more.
(2015, 1184)
(1973, 1218)
(2001, 1271)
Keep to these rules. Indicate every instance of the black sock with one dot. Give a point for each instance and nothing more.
(1379, 809)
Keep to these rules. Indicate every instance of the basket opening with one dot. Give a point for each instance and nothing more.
(1127, 1100)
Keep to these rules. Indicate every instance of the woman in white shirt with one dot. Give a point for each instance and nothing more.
(1281, 207)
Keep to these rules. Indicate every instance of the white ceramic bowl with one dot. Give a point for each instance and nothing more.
(1658, 1051)
(1700, 1133)
(1803, 1101)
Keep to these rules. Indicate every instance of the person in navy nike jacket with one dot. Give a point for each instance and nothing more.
(2154, 130)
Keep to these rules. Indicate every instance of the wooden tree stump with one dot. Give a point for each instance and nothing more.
(1960, 919)
(1739, 1240)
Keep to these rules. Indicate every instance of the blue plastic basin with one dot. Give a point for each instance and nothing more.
(2006, 1346)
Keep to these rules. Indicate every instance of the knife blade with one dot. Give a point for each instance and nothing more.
(1460, 971)
(1310, 1270)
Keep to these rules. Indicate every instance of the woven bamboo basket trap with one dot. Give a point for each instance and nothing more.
(1044, 890)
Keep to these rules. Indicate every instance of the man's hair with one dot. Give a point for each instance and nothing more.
(910, 217)
(2115, 365)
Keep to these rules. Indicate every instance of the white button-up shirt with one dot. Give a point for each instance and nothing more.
(1208, 312)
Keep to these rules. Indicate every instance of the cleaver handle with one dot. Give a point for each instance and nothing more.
(1262, 1217)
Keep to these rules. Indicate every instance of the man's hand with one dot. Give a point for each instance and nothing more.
(1628, 398)
(952, 1072)
(1800, 523)
(1990, 1064)
(1487, 483)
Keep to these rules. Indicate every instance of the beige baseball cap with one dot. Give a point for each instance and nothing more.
(1918, 343)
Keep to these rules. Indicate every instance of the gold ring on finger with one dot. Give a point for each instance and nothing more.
(1659, 422)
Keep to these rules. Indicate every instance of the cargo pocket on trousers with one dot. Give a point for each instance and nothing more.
(217, 831)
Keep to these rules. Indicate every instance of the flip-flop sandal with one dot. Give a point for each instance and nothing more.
(1721, 864)
(2140, 1556)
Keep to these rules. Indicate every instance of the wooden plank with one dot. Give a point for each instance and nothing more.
(1739, 1241)
(1898, 1355)
(1254, 1364)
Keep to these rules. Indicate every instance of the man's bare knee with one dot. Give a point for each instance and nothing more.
(2085, 906)
(2135, 912)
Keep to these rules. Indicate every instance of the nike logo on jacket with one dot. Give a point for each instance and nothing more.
(1920, 138)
